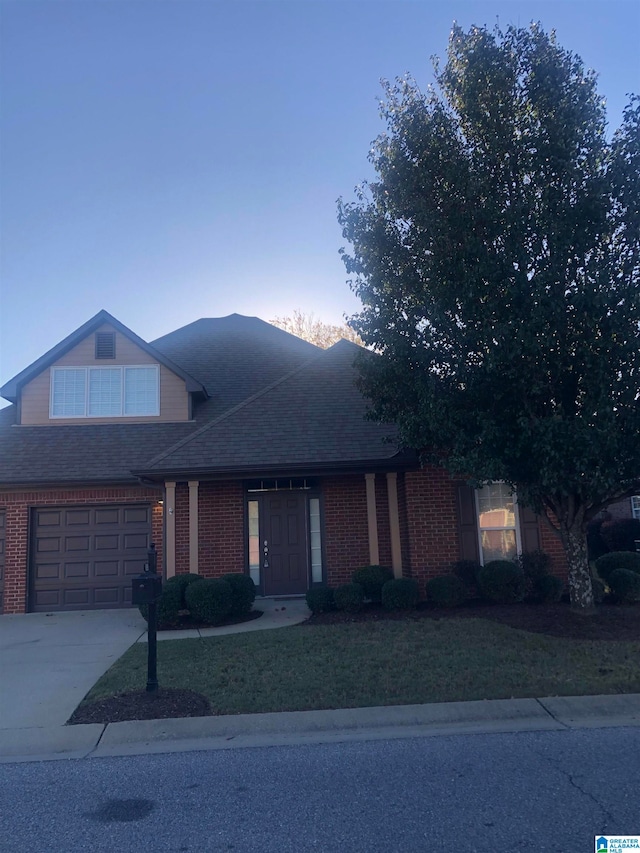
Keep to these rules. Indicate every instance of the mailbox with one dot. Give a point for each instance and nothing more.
(146, 588)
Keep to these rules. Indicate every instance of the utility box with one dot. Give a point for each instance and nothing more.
(146, 588)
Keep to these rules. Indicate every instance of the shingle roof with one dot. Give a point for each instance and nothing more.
(313, 417)
(274, 401)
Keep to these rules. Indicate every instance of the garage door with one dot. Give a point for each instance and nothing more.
(82, 558)
(2, 541)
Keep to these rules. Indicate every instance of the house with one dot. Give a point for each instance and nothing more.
(234, 447)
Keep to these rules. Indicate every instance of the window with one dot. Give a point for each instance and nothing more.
(497, 523)
(254, 541)
(315, 540)
(635, 506)
(104, 392)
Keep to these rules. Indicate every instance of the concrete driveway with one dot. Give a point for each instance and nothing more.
(49, 661)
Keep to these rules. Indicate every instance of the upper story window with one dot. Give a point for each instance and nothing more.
(635, 506)
(105, 392)
(497, 523)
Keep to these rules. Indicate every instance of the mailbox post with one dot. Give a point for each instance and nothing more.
(146, 589)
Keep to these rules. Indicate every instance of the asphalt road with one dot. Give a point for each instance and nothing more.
(533, 791)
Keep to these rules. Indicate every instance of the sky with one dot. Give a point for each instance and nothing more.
(174, 159)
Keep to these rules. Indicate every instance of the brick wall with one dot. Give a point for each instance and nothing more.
(221, 546)
(551, 544)
(429, 500)
(17, 506)
(346, 534)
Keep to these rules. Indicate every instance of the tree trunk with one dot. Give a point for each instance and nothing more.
(580, 588)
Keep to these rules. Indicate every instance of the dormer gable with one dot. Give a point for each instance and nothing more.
(102, 373)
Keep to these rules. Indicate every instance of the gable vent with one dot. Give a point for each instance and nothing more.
(105, 344)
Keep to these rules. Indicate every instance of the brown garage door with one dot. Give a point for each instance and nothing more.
(2, 541)
(82, 558)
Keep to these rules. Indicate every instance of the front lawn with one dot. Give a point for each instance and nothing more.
(378, 663)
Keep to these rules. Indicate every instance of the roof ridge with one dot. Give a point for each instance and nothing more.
(184, 441)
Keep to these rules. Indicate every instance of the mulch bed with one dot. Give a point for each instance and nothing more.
(611, 622)
(162, 704)
(186, 621)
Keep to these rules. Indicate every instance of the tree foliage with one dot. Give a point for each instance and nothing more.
(497, 260)
(310, 328)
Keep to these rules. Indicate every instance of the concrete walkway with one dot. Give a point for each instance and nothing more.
(51, 661)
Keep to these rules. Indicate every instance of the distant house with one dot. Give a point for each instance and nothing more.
(234, 447)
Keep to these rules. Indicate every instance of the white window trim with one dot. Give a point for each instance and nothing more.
(516, 521)
(122, 368)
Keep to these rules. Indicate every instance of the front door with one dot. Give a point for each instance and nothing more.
(284, 551)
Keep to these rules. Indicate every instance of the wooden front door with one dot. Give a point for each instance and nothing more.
(284, 549)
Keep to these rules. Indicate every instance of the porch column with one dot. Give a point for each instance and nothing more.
(170, 528)
(394, 524)
(193, 526)
(372, 519)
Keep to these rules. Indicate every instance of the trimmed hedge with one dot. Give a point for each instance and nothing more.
(210, 600)
(467, 571)
(625, 585)
(349, 597)
(183, 581)
(608, 563)
(168, 606)
(534, 564)
(320, 599)
(372, 579)
(243, 593)
(502, 581)
(400, 594)
(446, 591)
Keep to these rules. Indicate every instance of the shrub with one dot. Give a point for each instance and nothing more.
(596, 545)
(183, 581)
(243, 593)
(209, 600)
(446, 591)
(168, 606)
(534, 564)
(349, 597)
(619, 534)
(502, 581)
(625, 585)
(608, 563)
(320, 599)
(400, 594)
(467, 571)
(548, 588)
(598, 590)
(372, 579)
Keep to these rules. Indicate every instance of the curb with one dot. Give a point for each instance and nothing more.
(298, 727)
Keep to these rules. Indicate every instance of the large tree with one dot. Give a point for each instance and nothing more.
(497, 260)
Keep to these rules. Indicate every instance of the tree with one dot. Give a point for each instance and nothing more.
(310, 328)
(497, 260)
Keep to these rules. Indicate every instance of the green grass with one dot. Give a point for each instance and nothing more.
(385, 663)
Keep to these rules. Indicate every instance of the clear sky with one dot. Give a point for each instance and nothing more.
(175, 159)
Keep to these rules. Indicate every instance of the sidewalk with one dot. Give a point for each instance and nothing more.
(45, 737)
(305, 727)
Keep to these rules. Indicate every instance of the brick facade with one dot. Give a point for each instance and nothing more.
(17, 507)
(427, 519)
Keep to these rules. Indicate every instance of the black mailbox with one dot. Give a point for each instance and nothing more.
(146, 588)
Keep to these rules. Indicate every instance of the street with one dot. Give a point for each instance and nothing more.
(542, 791)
